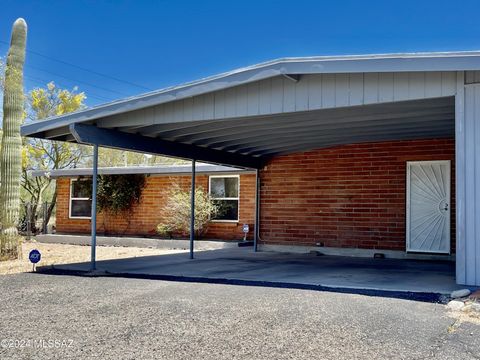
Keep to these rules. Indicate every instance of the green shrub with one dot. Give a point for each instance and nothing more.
(165, 230)
(177, 211)
(118, 193)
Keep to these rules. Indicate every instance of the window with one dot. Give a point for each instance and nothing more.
(224, 192)
(80, 198)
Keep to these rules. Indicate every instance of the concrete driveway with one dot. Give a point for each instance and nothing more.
(242, 264)
(116, 318)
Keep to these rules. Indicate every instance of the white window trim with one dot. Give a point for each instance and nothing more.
(70, 216)
(225, 198)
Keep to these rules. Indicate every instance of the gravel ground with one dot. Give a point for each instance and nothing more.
(55, 254)
(117, 318)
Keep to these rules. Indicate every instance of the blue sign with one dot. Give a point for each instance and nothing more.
(246, 228)
(34, 256)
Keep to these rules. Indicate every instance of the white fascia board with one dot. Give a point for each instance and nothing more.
(153, 170)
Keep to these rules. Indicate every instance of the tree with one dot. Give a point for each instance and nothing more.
(39, 154)
(113, 157)
(11, 148)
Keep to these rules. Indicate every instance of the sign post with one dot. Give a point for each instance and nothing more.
(246, 230)
(34, 256)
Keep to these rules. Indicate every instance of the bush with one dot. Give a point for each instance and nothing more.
(118, 193)
(165, 230)
(177, 212)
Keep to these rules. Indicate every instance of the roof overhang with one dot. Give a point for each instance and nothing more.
(134, 123)
(160, 170)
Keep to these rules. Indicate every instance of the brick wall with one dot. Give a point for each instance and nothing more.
(148, 213)
(346, 196)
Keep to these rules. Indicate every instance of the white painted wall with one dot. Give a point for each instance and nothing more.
(468, 178)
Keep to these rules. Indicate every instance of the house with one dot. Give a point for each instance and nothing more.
(352, 154)
(224, 185)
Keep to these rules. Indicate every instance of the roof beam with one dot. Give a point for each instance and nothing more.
(89, 134)
(292, 77)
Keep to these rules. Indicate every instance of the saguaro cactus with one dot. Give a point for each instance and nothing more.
(11, 150)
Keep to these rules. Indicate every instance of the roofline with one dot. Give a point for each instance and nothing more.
(401, 62)
(151, 170)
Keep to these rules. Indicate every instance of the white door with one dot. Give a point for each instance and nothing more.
(428, 206)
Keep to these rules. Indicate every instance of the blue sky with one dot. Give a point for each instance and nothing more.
(160, 43)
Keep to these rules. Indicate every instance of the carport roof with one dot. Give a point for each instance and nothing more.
(177, 137)
(178, 169)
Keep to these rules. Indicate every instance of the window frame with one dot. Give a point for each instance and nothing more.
(71, 198)
(225, 198)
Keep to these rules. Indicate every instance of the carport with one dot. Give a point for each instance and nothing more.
(249, 117)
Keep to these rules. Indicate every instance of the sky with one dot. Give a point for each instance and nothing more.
(115, 49)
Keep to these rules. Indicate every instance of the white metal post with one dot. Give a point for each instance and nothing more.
(192, 211)
(257, 211)
(94, 207)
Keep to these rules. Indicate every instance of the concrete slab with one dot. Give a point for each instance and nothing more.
(299, 269)
(200, 245)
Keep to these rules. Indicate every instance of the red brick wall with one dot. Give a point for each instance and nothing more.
(148, 213)
(346, 196)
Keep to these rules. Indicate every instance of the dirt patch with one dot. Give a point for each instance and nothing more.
(465, 315)
(56, 254)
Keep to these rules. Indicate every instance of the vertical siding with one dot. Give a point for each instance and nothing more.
(312, 92)
(468, 180)
(472, 77)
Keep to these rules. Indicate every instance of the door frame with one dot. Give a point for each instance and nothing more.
(449, 199)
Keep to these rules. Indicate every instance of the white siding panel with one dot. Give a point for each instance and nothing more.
(342, 90)
(209, 106)
(219, 104)
(328, 91)
(230, 102)
(277, 95)
(158, 113)
(472, 77)
(289, 96)
(416, 85)
(314, 92)
(468, 187)
(371, 88)
(433, 84)
(188, 109)
(265, 96)
(385, 87)
(253, 98)
(400, 87)
(448, 83)
(356, 89)
(317, 91)
(198, 107)
(169, 112)
(476, 177)
(241, 105)
(301, 94)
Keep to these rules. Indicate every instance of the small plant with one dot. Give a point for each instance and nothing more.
(165, 230)
(177, 211)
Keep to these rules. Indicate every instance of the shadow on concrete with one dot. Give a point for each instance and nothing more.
(406, 279)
